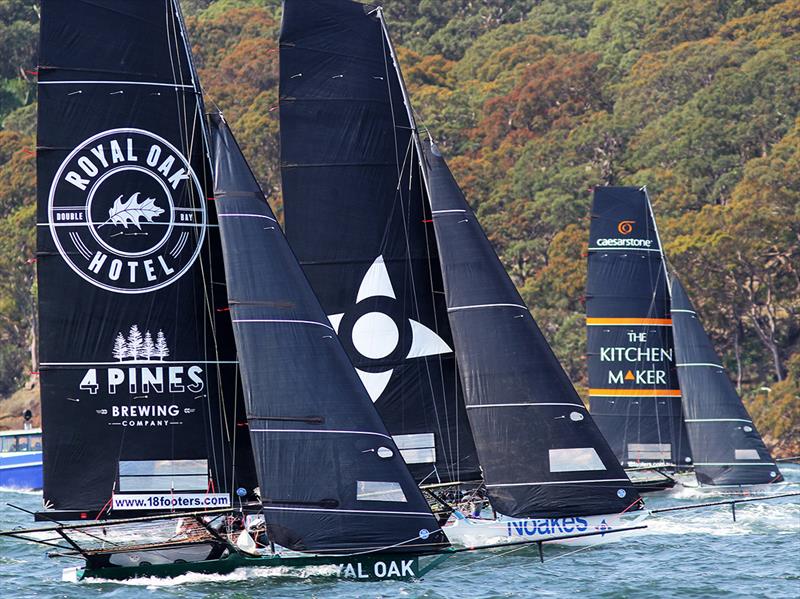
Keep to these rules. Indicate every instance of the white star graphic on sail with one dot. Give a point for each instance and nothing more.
(376, 335)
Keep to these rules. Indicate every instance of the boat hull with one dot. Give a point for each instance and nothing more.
(21, 470)
(477, 531)
(384, 566)
(689, 481)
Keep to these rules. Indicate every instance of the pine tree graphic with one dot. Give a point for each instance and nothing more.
(135, 342)
(161, 345)
(120, 351)
(148, 349)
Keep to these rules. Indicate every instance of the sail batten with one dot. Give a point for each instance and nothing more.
(539, 448)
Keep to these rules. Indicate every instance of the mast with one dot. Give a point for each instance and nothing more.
(726, 446)
(331, 477)
(542, 454)
(657, 236)
(358, 218)
(634, 393)
(137, 366)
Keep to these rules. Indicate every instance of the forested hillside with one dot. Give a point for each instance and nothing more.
(535, 102)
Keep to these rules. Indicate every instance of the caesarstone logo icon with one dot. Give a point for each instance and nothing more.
(625, 226)
(127, 212)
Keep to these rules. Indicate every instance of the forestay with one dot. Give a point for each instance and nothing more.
(633, 387)
(726, 446)
(357, 218)
(137, 366)
(542, 454)
(331, 478)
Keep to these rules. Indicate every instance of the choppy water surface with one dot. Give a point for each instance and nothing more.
(683, 554)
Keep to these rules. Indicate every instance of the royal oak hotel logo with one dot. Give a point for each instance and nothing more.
(127, 212)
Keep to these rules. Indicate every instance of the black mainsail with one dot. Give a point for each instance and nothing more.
(138, 367)
(726, 446)
(633, 386)
(358, 220)
(542, 454)
(331, 477)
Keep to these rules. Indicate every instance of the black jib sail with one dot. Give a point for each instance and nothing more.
(331, 477)
(633, 386)
(726, 446)
(138, 368)
(542, 454)
(357, 218)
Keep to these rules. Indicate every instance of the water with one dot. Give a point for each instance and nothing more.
(683, 554)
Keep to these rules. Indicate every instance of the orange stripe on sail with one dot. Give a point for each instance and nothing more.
(629, 321)
(635, 392)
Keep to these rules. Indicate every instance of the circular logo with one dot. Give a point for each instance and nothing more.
(625, 226)
(127, 211)
(621, 493)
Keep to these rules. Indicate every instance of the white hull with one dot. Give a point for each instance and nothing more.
(470, 532)
(689, 481)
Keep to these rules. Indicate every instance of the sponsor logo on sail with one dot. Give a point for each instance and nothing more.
(625, 226)
(141, 379)
(127, 211)
(374, 332)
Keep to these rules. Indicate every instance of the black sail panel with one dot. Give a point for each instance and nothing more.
(726, 446)
(633, 388)
(331, 478)
(356, 217)
(541, 452)
(135, 361)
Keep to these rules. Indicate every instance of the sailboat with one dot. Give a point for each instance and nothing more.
(659, 389)
(634, 393)
(333, 488)
(358, 183)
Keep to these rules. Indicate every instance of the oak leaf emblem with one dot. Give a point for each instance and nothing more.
(131, 211)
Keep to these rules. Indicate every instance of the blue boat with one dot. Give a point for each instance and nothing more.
(21, 459)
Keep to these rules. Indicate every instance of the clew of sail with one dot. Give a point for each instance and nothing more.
(540, 450)
(357, 218)
(726, 446)
(633, 387)
(331, 477)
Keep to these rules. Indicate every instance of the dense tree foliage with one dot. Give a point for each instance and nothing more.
(535, 102)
